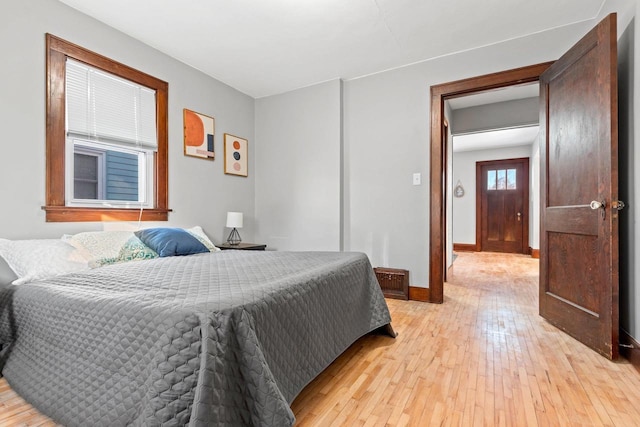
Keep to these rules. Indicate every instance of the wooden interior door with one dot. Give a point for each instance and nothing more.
(579, 153)
(503, 206)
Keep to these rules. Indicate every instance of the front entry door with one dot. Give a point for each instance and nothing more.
(579, 153)
(503, 213)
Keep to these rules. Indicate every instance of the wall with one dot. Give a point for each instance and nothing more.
(298, 172)
(534, 195)
(199, 192)
(387, 140)
(464, 170)
(448, 114)
(515, 113)
(629, 161)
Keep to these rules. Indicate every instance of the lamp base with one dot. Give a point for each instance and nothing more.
(234, 237)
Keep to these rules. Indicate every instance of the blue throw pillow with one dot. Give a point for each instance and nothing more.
(171, 241)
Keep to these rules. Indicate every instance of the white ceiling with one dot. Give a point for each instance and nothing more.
(497, 95)
(265, 47)
(501, 138)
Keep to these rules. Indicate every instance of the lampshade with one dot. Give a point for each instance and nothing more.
(234, 219)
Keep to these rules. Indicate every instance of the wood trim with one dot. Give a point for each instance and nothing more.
(535, 253)
(478, 207)
(57, 51)
(439, 93)
(445, 196)
(82, 214)
(465, 247)
(632, 354)
(419, 294)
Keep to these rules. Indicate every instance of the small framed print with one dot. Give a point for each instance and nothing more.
(198, 135)
(235, 155)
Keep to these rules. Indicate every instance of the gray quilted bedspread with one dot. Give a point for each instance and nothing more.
(227, 338)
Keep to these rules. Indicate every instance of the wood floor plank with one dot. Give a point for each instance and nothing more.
(484, 357)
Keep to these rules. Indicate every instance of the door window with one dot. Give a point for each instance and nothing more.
(501, 179)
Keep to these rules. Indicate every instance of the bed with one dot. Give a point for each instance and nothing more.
(225, 338)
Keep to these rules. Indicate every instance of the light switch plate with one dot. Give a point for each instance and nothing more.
(417, 178)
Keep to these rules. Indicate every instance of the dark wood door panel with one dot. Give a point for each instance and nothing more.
(572, 220)
(513, 224)
(584, 326)
(572, 164)
(574, 282)
(503, 205)
(579, 245)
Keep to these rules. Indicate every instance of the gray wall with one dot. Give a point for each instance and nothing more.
(298, 184)
(199, 192)
(629, 180)
(464, 170)
(534, 194)
(448, 114)
(387, 140)
(519, 112)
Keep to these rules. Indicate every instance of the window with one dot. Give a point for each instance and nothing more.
(106, 138)
(501, 179)
(88, 171)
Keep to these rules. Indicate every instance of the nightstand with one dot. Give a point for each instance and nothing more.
(243, 246)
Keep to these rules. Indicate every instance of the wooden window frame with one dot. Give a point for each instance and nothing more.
(56, 211)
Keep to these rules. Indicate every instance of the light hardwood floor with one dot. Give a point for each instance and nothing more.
(484, 357)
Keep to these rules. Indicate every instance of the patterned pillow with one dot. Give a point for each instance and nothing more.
(100, 247)
(132, 250)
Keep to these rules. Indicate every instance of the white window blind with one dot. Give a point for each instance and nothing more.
(109, 109)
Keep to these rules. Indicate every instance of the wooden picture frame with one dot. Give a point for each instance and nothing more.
(199, 132)
(235, 155)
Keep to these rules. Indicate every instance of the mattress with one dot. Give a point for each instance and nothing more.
(227, 338)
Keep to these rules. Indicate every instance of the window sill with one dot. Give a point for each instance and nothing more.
(86, 214)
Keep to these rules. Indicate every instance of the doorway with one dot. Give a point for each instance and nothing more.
(502, 205)
(439, 94)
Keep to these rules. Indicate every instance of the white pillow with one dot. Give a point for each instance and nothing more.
(6, 273)
(199, 234)
(99, 246)
(40, 259)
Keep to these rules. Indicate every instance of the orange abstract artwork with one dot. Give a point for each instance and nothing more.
(198, 135)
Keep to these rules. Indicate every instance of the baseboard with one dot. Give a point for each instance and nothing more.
(465, 247)
(418, 294)
(535, 253)
(630, 349)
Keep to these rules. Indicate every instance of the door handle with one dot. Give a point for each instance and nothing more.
(518, 216)
(595, 205)
(617, 204)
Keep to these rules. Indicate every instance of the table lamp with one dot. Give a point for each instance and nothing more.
(234, 221)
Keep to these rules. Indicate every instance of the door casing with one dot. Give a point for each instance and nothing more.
(439, 94)
(524, 162)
